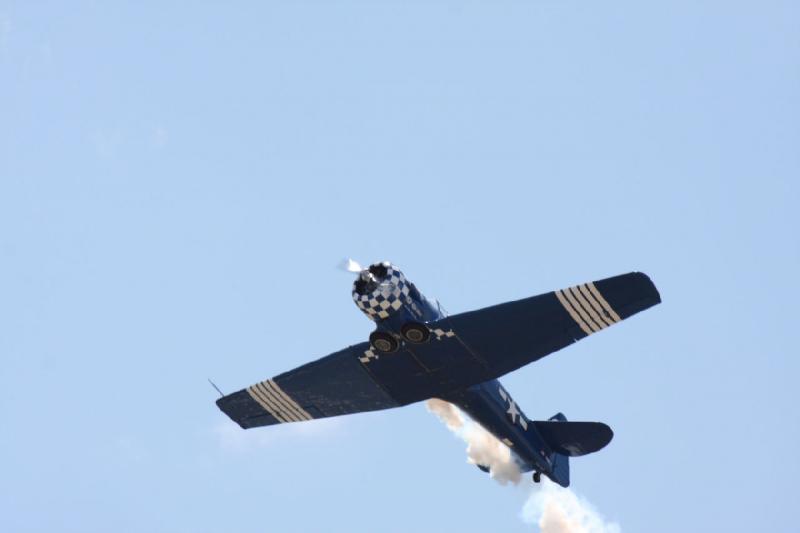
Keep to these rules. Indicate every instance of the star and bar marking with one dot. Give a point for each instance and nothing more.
(513, 411)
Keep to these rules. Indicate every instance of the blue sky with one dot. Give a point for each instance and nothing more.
(178, 183)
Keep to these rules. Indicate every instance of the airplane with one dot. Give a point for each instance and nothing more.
(418, 352)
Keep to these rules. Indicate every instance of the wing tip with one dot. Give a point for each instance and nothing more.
(649, 287)
(239, 407)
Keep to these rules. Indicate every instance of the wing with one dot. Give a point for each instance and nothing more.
(510, 335)
(469, 348)
(337, 384)
(478, 346)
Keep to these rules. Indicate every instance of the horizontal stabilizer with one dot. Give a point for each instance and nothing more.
(574, 438)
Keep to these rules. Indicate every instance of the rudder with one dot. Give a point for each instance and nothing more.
(560, 473)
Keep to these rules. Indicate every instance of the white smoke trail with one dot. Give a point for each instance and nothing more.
(483, 448)
(558, 510)
(553, 508)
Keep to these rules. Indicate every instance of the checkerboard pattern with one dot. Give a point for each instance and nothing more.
(368, 355)
(389, 296)
(440, 333)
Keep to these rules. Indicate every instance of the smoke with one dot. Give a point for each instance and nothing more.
(558, 510)
(483, 448)
(551, 507)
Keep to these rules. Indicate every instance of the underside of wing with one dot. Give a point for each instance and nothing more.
(465, 349)
(335, 385)
(510, 335)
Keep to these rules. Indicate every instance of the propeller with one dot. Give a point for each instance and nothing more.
(367, 281)
(349, 265)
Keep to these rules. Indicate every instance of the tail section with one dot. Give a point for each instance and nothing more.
(571, 439)
(574, 438)
(560, 473)
(543, 447)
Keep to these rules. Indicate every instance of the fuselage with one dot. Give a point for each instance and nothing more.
(384, 294)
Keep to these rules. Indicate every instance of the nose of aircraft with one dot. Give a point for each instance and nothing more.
(379, 270)
(370, 278)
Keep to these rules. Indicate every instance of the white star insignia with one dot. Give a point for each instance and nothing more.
(513, 411)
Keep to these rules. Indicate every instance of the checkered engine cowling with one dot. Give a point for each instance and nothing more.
(391, 292)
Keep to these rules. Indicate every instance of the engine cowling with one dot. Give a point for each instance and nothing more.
(382, 290)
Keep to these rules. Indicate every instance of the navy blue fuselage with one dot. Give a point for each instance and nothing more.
(487, 403)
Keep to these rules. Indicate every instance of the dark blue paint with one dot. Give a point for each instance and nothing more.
(484, 404)
(461, 368)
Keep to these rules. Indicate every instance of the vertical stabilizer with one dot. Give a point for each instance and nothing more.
(560, 462)
(560, 472)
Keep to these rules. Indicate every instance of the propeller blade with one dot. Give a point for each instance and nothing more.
(351, 266)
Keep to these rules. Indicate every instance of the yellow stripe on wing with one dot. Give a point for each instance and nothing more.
(581, 311)
(584, 290)
(573, 313)
(265, 401)
(293, 405)
(599, 297)
(596, 319)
